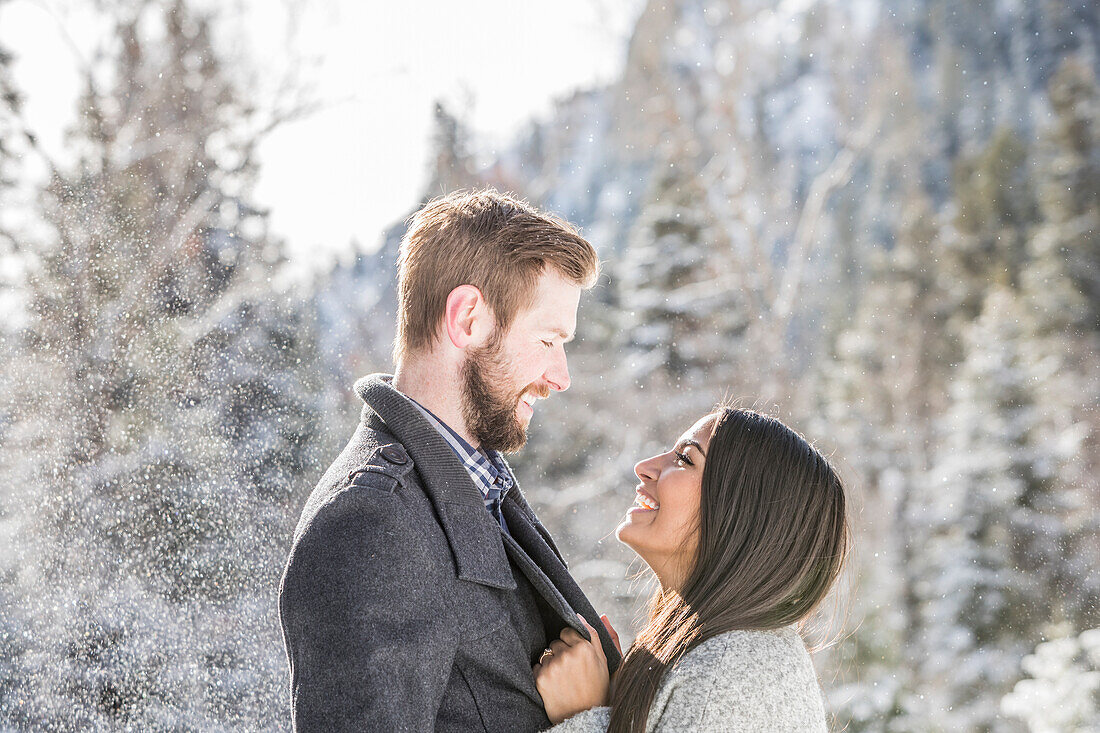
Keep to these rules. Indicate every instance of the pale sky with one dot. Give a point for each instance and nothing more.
(352, 169)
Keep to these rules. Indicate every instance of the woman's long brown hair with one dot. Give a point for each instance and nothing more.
(773, 536)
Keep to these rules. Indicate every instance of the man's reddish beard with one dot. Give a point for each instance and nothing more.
(488, 407)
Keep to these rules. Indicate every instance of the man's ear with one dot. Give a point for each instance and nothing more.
(467, 319)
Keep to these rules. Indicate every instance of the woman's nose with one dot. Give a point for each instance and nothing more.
(648, 470)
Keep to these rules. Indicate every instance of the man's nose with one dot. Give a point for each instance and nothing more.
(558, 373)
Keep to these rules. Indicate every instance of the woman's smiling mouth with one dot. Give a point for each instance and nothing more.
(645, 501)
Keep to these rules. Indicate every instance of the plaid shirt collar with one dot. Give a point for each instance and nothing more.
(488, 470)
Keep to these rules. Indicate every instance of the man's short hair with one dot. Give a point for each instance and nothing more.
(496, 243)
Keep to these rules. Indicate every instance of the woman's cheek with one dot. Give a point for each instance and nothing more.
(680, 529)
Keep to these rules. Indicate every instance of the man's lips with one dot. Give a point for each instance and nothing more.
(530, 396)
(525, 409)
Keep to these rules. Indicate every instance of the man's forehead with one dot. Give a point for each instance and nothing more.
(553, 324)
(555, 310)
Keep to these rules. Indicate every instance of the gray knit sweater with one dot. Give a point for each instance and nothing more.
(737, 681)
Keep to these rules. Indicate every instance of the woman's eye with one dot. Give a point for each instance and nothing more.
(681, 458)
(547, 344)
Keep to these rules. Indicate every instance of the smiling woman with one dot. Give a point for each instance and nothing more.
(744, 524)
(663, 526)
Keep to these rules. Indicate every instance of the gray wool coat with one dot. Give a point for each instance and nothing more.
(404, 606)
(737, 682)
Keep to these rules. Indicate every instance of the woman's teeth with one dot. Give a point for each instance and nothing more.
(645, 502)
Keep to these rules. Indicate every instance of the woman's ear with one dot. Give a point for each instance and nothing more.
(466, 320)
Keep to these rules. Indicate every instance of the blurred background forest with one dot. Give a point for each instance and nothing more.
(879, 221)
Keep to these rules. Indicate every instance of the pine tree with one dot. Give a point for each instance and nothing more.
(995, 209)
(1065, 250)
(162, 410)
(452, 164)
(996, 526)
(1062, 692)
(994, 523)
(677, 288)
(1061, 287)
(880, 391)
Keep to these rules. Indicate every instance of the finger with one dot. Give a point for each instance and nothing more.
(611, 632)
(571, 636)
(594, 636)
(557, 646)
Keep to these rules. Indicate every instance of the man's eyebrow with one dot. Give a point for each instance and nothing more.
(693, 443)
(565, 336)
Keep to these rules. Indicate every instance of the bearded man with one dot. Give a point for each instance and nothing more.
(421, 587)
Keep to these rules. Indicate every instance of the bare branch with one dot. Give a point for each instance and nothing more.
(171, 246)
(834, 177)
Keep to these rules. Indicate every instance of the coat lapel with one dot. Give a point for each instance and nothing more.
(476, 540)
(473, 535)
(535, 554)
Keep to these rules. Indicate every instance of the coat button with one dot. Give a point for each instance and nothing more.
(394, 454)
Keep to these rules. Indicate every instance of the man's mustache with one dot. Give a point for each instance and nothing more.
(539, 390)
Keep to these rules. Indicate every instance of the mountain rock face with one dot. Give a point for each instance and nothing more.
(833, 211)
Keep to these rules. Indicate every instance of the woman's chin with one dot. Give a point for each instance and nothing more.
(626, 532)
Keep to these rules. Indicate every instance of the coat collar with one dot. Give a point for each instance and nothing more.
(535, 554)
(473, 535)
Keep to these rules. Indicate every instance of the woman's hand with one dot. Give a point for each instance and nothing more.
(611, 632)
(571, 675)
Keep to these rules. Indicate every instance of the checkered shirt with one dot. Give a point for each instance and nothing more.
(488, 470)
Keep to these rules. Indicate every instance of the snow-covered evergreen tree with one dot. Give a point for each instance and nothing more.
(1066, 247)
(677, 289)
(964, 571)
(993, 519)
(1062, 691)
(995, 209)
(1061, 287)
(162, 407)
(879, 394)
(452, 165)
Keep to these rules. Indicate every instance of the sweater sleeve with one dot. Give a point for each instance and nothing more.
(740, 683)
(593, 720)
(765, 681)
(683, 699)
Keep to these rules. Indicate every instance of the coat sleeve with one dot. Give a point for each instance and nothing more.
(363, 622)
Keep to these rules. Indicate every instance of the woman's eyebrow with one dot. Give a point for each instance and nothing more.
(693, 443)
